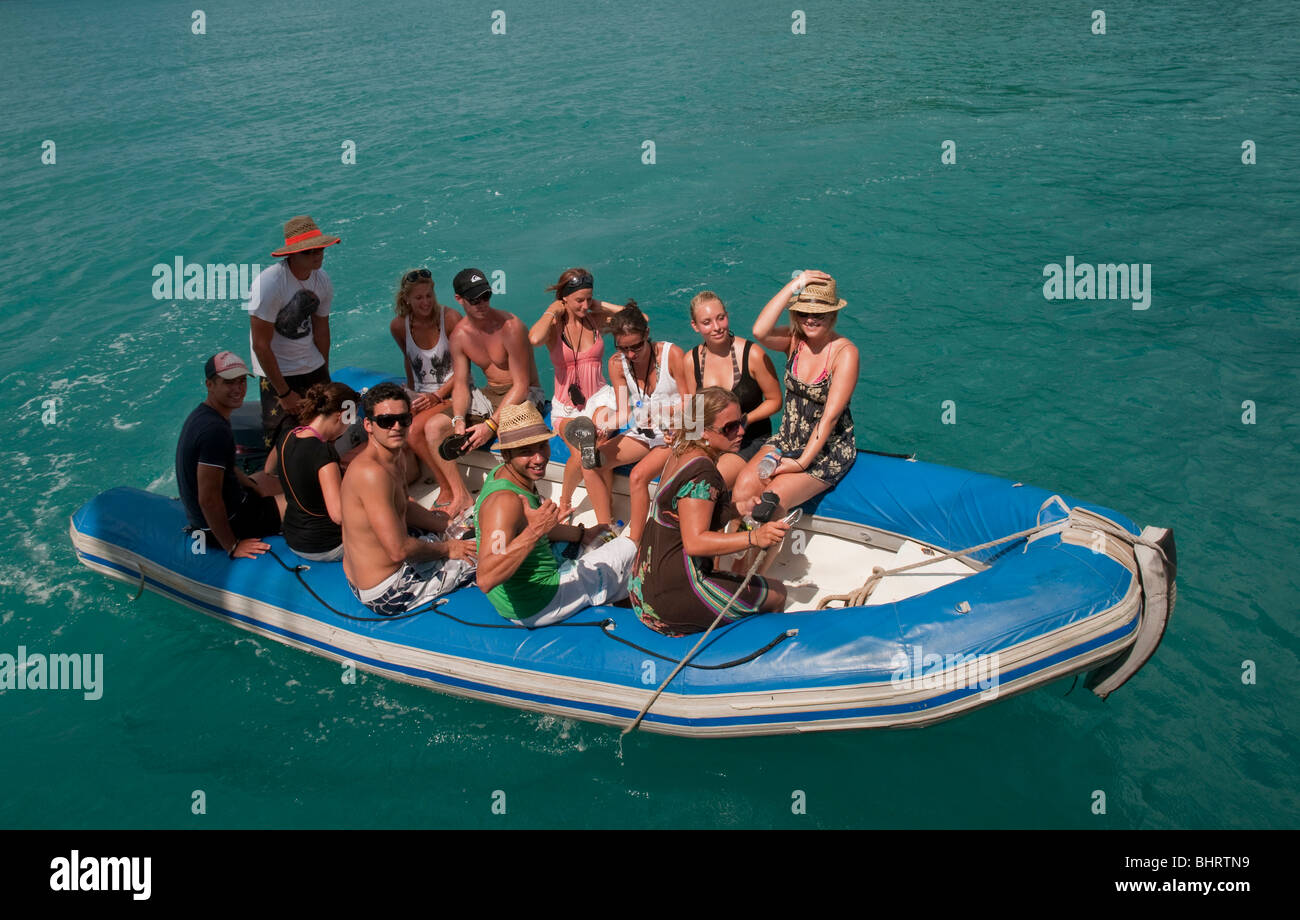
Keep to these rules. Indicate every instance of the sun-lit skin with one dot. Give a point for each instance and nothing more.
(420, 297)
(713, 433)
(393, 439)
(712, 324)
(227, 395)
(529, 462)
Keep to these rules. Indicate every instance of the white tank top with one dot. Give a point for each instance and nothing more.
(430, 368)
(665, 386)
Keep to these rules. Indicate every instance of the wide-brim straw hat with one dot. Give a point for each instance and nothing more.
(520, 426)
(301, 235)
(819, 297)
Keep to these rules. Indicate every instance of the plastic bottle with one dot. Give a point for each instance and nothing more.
(767, 466)
(461, 524)
(610, 535)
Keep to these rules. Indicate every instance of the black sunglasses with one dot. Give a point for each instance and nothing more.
(388, 421)
(731, 429)
(631, 349)
(484, 299)
(417, 274)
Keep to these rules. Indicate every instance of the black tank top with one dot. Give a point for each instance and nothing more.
(746, 389)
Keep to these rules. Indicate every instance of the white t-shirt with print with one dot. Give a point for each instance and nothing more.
(274, 298)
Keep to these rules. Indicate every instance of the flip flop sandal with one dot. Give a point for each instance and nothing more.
(453, 447)
(580, 434)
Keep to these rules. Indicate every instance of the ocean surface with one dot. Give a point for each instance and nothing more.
(773, 151)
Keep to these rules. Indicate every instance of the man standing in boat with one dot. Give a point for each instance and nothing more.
(517, 569)
(389, 570)
(235, 510)
(289, 322)
(497, 342)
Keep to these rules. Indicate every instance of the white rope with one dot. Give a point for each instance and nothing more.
(1101, 524)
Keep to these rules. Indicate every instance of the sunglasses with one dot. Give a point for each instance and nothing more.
(417, 274)
(484, 299)
(731, 429)
(388, 421)
(799, 314)
(631, 349)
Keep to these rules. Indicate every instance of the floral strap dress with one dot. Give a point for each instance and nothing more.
(805, 403)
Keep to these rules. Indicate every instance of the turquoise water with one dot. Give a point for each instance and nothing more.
(522, 153)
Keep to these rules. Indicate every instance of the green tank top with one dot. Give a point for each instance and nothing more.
(535, 582)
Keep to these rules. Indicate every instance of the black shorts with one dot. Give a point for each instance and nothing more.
(256, 516)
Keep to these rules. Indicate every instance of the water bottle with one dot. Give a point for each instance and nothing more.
(609, 535)
(767, 466)
(461, 525)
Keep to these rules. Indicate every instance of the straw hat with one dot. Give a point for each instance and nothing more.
(817, 298)
(300, 235)
(520, 426)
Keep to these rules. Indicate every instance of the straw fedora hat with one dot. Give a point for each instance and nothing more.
(302, 234)
(520, 426)
(817, 298)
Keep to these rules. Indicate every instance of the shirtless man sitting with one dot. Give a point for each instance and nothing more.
(497, 342)
(390, 571)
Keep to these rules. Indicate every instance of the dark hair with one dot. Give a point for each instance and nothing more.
(382, 393)
(629, 319)
(326, 399)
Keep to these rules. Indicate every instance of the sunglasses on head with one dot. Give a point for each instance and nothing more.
(388, 421)
(731, 429)
(417, 274)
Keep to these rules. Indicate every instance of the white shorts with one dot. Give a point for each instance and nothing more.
(598, 576)
(480, 405)
(602, 397)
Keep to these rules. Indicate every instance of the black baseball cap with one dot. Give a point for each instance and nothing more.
(471, 284)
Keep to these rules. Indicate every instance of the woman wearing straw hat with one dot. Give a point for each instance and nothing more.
(816, 437)
(289, 324)
(517, 569)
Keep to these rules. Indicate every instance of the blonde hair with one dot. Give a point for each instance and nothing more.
(705, 297)
(400, 304)
(709, 403)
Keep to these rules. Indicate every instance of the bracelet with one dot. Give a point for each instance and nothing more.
(457, 418)
(582, 532)
(231, 552)
(284, 394)
(491, 424)
(749, 538)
